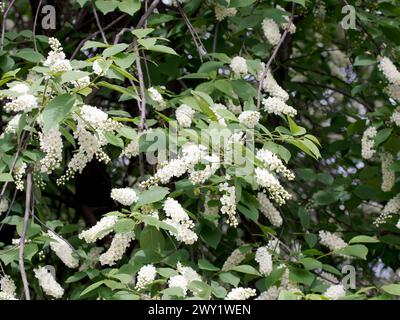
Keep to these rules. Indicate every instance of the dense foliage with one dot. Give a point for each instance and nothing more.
(218, 149)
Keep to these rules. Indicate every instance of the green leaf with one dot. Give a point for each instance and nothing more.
(115, 49)
(357, 250)
(30, 55)
(382, 136)
(230, 278)
(301, 2)
(310, 263)
(152, 239)
(301, 276)
(124, 225)
(363, 239)
(393, 289)
(76, 277)
(106, 6)
(162, 48)
(206, 265)
(241, 3)
(92, 287)
(245, 268)
(153, 194)
(6, 177)
(129, 6)
(57, 110)
(364, 60)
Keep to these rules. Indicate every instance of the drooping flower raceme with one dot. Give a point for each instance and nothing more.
(222, 12)
(118, 246)
(265, 179)
(7, 288)
(273, 88)
(228, 202)
(178, 281)
(392, 207)
(234, 259)
(249, 118)
(331, 240)
(271, 294)
(100, 230)
(273, 163)
(239, 65)
(63, 250)
(184, 115)
(125, 196)
(277, 106)
(367, 143)
(264, 259)
(268, 209)
(56, 60)
(388, 175)
(271, 31)
(240, 293)
(46, 280)
(23, 103)
(157, 98)
(51, 143)
(145, 276)
(335, 292)
(389, 70)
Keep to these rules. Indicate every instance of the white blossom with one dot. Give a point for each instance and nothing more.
(63, 250)
(178, 281)
(271, 31)
(125, 196)
(234, 259)
(331, 240)
(249, 118)
(51, 143)
(118, 246)
(48, 283)
(277, 106)
(157, 98)
(145, 276)
(215, 108)
(266, 180)
(222, 12)
(390, 71)
(328, 278)
(273, 163)
(264, 259)
(335, 292)
(184, 115)
(81, 82)
(19, 172)
(100, 230)
(239, 65)
(273, 88)
(240, 293)
(388, 175)
(189, 274)
(367, 143)
(20, 88)
(8, 288)
(56, 60)
(12, 125)
(228, 202)
(392, 207)
(271, 293)
(25, 103)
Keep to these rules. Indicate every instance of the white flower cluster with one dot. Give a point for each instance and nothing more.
(273, 163)
(234, 259)
(266, 179)
(327, 278)
(367, 143)
(189, 273)
(178, 281)
(388, 175)
(92, 258)
(3, 205)
(268, 209)
(145, 276)
(239, 65)
(132, 149)
(271, 31)
(19, 172)
(222, 12)
(392, 207)
(51, 143)
(331, 240)
(7, 288)
(277, 106)
(63, 250)
(56, 60)
(228, 202)
(335, 292)
(240, 293)
(46, 280)
(12, 125)
(125, 196)
(387, 67)
(184, 115)
(215, 108)
(81, 82)
(157, 98)
(235, 109)
(118, 246)
(23, 103)
(271, 294)
(249, 118)
(178, 218)
(264, 259)
(398, 224)
(284, 25)
(90, 143)
(395, 117)
(272, 87)
(394, 92)
(100, 230)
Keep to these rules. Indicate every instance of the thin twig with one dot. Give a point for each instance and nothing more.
(142, 90)
(21, 261)
(34, 25)
(3, 27)
(266, 68)
(214, 47)
(9, 208)
(99, 24)
(147, 13)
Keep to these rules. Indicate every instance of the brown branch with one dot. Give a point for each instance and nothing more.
(147, 13)
(99, 24)
(34, 25)
(21, 261)
(266, 68)
(3, 27)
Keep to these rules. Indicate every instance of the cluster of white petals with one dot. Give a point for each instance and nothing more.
(157, 98)
(239, 65)
(387, 67)
(234, 259)
(273, 88)
(273, 163)
(48, 283)
(327, 278)
(118, 246)
(19, 172)
(395, 117)
(215, 108)
(392, 207)
(56, 60)
(277, 106)
(240, 293)
(266, 179)
(51, 143)
(228, 203)
(7, 288)
(222, 12)
(184, 115)
(335, 292)
(200, 176)
(331, 240)
(367, 143)
(125, 196)
(271, 294)
(388, 175)
(178, 281)
(145, 276)
(189, 273)
(99, 230)
(179, 219)
(249, 118)
(271, 31)
(23, 103)
(63, 250)
(264, 259)
(81, 82)
(12, 125)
